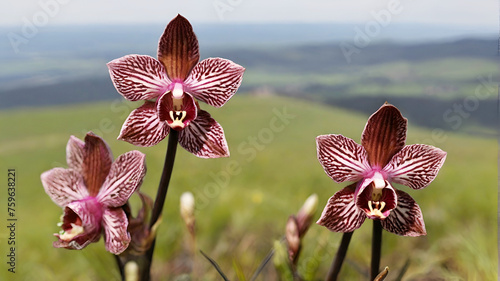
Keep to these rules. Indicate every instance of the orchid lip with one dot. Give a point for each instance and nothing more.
(71, 233)
(177, 118)
(376, 208)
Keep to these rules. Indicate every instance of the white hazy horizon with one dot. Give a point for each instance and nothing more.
(64, 12)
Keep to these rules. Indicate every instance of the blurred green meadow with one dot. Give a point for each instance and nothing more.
(243, 201)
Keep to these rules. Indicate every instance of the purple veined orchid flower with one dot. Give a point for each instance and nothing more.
(175, 80)
(91, 192)
(381, 159)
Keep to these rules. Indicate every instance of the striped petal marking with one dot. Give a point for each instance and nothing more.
(143, 127)
(178, 49)
(416, 165)
(115, 225)
(138, 77)
(214, 80)
(342, 158)
(341, 213)
(64, 186)
(124, 178)
(204, 137)
(74, 153)
(406, 219)
(384, 135)
(97, 161)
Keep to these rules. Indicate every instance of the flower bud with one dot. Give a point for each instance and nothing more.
(187, 210)
(306, 214)
(292, 238)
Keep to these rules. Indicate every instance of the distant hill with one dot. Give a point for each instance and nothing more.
(318, 62)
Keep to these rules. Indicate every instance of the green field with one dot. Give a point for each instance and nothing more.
(241, 211)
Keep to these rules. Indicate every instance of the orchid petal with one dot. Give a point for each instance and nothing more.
(406, 219)
(124, 178)
(143, 128)
(215, 80)
(96, 163)
(342, 158)
(138, 77)
(64, 186)
(416, 165)
(178, 49)
(74, 153)
(341, 213)
(384, 135)
(115, 224)
(183, 109)
(204, 137)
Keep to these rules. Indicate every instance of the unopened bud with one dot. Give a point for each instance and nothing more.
(131, 271)
(292, 238)
(187, 210)
(306, 214)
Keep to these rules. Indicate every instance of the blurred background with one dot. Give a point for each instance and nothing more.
(326, 66)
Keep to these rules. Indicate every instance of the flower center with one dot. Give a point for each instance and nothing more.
(375, 205)
(376, 208)
(177, 118)
(68, 232)
(178, 91)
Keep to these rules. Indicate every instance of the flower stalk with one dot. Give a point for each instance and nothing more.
(160, 201)
(339, 258)
(376, 248)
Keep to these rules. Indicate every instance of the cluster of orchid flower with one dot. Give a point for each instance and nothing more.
(94, 190)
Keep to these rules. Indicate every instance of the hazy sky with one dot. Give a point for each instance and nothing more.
(55, 12)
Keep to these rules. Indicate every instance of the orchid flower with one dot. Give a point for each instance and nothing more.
(381, 159)
(91, 192)
(174, 81)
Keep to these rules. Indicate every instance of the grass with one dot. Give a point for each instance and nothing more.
(243, 201)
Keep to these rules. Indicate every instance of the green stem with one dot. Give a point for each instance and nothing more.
(376, 248)
(339, 258)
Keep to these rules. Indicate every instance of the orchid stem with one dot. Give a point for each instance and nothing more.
(376, 248)
(173, 140)
(339, 258)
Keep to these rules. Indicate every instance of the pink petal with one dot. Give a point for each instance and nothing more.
(138, 77)
(166, 110)
(341, 213)
(384, 135)
(215, 80)
(342, 158)
(74, 153)
(204, 137)
(143, 128)
(124, 178)
(406, 219)
(115, 224)
(178, 49)
(97, 159)
(416, 165)
(64, 186)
